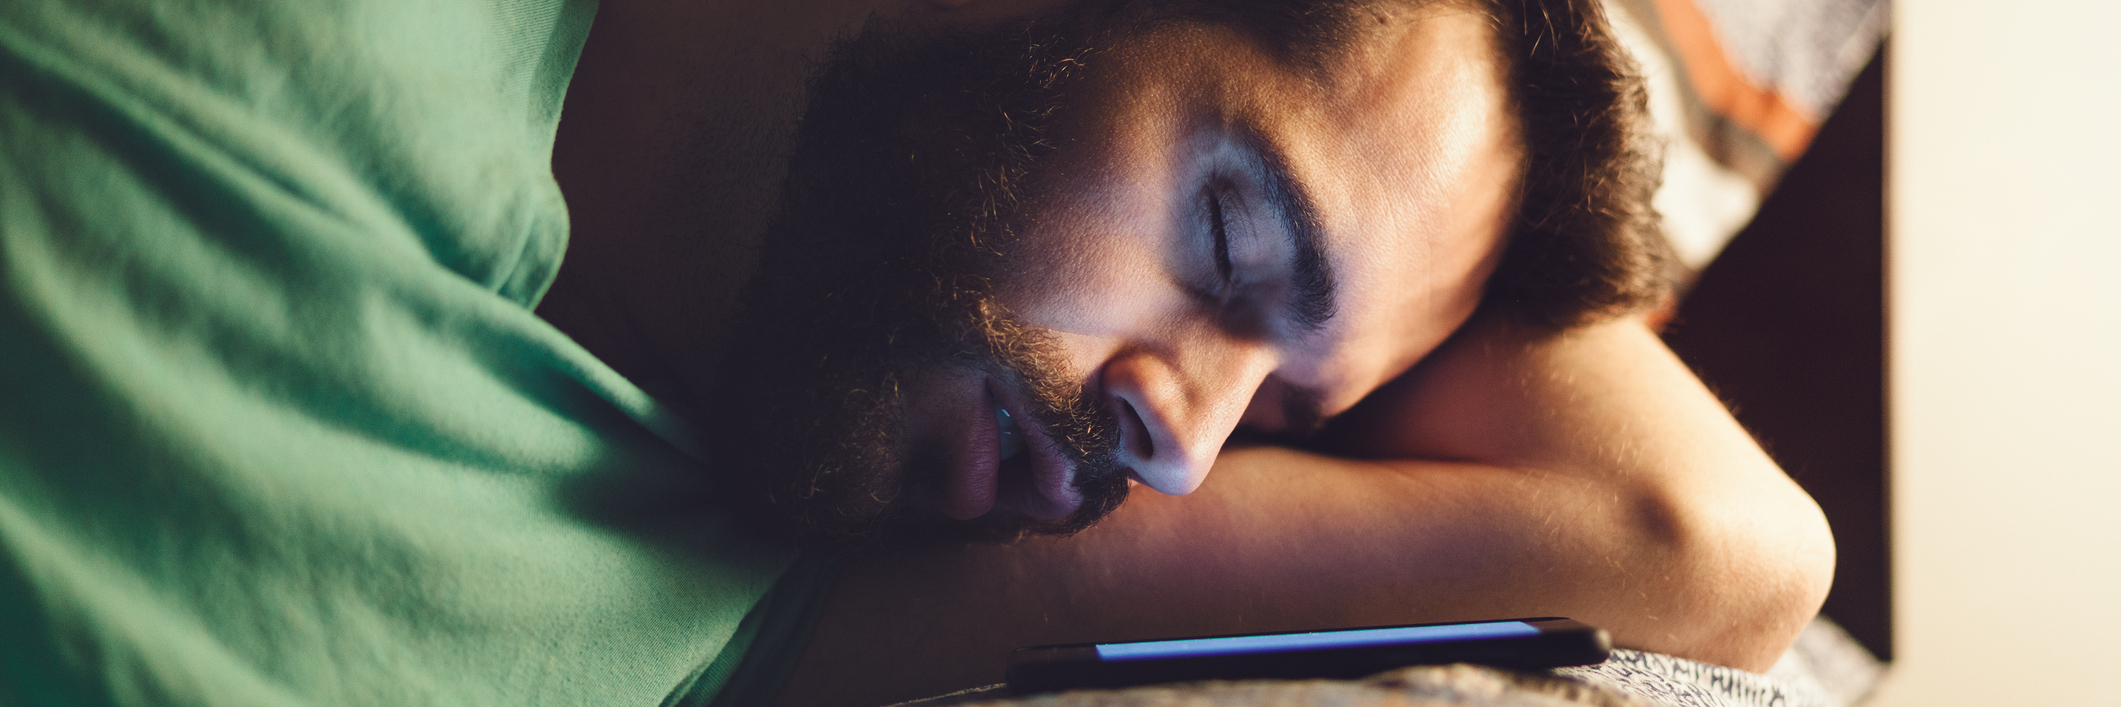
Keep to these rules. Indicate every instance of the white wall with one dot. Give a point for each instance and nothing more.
(2005, 217)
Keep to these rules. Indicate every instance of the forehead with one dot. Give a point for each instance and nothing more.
(1402, 140)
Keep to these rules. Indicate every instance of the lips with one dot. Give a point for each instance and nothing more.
(1009, 461)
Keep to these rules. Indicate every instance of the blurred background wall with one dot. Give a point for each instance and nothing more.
(2004, 291)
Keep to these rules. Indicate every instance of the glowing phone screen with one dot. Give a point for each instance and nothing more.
(1234, 645)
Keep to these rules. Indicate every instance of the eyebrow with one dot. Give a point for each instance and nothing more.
(1313, 301)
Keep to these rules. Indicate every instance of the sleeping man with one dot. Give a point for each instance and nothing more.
(891, 334)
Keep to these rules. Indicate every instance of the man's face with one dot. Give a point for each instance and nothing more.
(1215, 239)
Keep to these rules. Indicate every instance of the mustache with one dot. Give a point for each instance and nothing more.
(1074, 415)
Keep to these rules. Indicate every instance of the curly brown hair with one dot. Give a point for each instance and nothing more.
(1587, 245)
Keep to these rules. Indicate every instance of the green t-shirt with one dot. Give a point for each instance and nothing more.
(277, 423)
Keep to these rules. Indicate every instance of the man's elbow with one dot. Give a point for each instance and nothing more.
(1761, 568)
(1796, 572)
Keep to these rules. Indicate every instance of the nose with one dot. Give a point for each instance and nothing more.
(1177, 409)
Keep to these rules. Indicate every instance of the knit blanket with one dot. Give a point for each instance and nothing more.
(1824, 669)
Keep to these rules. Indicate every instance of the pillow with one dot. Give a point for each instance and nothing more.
(1737, 89)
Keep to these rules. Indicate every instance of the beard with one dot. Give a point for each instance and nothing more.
(905, 193)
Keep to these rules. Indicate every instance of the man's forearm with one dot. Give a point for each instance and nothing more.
(1623, 495)
(1738, 556)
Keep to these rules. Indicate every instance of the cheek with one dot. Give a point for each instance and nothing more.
(1098, 256)
(1097, 265)
(1094, 287)
(1088, 286)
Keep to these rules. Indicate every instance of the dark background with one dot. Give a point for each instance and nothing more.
(1787, 325)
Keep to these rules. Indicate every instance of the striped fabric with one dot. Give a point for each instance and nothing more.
(1737, 89)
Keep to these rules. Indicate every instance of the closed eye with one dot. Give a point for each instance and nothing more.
(1218, 228)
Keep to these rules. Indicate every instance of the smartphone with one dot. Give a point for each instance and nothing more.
(1341, 654)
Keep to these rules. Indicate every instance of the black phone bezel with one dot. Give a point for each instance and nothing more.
(1560, 642)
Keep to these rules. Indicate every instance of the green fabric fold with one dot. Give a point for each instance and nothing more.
(277, 425)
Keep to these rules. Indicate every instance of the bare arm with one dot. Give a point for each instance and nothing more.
(1595, 478)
